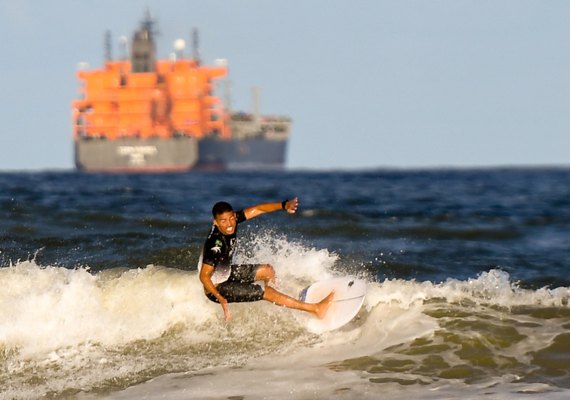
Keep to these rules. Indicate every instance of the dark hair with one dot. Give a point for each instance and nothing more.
(221, 207)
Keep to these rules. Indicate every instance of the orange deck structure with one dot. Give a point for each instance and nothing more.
(176, 99)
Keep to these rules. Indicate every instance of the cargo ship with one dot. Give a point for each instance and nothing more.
(142, 114)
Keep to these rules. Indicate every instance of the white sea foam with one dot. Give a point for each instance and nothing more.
(115, 328)
(46, 309)
(394, 316)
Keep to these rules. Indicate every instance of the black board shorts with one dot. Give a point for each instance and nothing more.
(240, 286)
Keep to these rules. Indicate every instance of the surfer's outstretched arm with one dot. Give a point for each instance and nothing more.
(317, 309)
(288, 205)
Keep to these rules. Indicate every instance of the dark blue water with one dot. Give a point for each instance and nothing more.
(423, 225)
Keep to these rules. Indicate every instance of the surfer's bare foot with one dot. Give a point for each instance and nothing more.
(323, 305)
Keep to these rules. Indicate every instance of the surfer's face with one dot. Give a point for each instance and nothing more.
(226, 222)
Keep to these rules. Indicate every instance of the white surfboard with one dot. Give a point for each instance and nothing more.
(348, 298)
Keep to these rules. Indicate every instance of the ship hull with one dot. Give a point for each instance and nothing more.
(244, 154)
(179, 154)
(136, 155)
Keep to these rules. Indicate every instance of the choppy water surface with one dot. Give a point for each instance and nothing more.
(467, 274)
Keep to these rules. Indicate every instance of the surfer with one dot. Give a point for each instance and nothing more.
(225, 282)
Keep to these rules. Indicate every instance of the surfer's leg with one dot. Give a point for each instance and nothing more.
(265, 273)
(252, 273)
(317, 309)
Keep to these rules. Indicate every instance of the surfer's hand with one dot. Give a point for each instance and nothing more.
(291, 205)
(224, 304)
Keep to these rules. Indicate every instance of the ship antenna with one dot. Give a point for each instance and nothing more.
(148, 25)
(195, 43)
(108, 46)
(124, 48)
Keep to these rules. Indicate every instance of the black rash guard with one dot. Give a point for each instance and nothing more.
(219, 250)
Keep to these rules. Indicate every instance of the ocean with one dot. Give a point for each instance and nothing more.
(467, 271)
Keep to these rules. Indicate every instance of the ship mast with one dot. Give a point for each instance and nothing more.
(195, 43)
(255, 105)
(108, 46)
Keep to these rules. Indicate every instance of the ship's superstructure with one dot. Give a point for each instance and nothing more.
(141, 114)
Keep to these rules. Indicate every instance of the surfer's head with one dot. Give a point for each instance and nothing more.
(224, 217)
(221, 207)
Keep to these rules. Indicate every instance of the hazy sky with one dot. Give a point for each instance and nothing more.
(374, 83)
